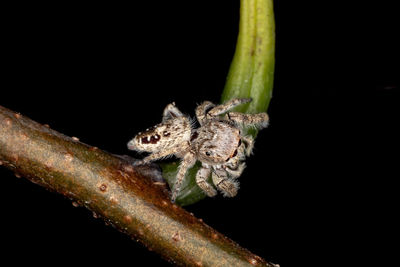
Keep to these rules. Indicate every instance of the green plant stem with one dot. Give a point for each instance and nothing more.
(252, 70)
(251, 75)
(131, 199)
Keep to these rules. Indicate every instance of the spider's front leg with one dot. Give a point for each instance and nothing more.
(188, 161)
(158, 155)
(201, 180)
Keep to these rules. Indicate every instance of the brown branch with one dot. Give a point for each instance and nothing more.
(130, 198)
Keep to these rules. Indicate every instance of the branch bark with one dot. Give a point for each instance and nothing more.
(132, 199)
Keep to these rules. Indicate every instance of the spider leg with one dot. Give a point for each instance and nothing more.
(249, 140)
(171, 111)
(227, 186)
(218, 110)
(201, 111)
(259, 120)
(188, 161)
(201, 180)
(161, 154)
(242, 153)
(235, 173)
(235, 165)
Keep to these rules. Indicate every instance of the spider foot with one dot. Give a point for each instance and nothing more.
(209, 190)
(173, 196)
(229, 188)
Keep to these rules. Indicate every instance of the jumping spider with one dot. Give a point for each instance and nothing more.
(218, 144)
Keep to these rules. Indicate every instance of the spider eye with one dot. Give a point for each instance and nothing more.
(208, 153)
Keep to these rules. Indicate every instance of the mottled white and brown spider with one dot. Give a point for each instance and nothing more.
(219, 144)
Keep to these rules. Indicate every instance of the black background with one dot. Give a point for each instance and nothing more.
(320, 183)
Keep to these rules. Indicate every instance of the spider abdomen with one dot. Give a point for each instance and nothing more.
(218, 141)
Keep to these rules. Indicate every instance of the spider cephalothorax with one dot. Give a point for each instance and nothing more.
(219, 144)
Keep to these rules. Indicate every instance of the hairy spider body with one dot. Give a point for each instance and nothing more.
(218, 144)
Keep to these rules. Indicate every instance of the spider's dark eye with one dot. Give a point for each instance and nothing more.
(208, 153)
